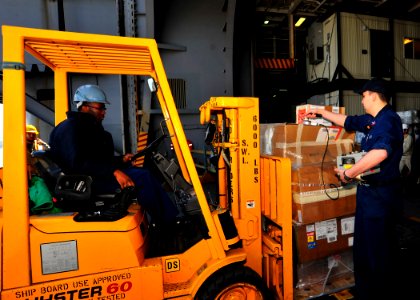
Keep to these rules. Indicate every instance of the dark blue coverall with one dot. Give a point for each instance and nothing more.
(378, 207)
(80, 145)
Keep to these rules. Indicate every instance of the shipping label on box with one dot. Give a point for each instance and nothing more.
(347, 225)
(311, 240)
(323, 238)
(327, 230)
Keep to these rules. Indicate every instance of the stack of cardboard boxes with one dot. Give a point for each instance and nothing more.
(323, 209)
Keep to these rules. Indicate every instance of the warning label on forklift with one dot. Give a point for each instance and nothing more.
(104, 287)
(172, 265)
(59, 257)
(250, 204)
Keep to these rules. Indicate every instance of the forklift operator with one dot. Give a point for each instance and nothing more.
(378, 198)
(81, 145)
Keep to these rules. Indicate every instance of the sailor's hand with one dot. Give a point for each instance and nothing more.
(123, 179)
(314, 113)
(127, 157)
(341, 176)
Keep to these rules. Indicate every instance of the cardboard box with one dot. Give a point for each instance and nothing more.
(313, 177)
(305, 144)
(314, 206)
(321, 239)
(302, 110)
(318, 194)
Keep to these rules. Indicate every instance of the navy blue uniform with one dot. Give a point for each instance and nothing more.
(378, 206)
(80, 145)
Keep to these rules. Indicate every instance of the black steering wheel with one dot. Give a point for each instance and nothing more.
(149, 147)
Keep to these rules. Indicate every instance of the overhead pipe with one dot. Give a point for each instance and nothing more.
(292, 8)
(291, 37)
(61, 19)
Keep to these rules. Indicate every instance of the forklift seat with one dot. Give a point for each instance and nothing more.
(74, 193)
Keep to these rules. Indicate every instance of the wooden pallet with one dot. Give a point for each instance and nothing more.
(337, 287)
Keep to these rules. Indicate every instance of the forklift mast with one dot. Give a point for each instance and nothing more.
(238, 148)
(255, 189)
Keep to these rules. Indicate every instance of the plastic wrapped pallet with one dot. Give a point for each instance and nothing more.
(325, 276)
(318, 194)
(305, 144)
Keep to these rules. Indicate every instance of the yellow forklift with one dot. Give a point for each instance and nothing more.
(237, 246)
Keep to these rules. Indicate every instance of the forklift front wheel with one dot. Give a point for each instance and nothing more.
(237, 282)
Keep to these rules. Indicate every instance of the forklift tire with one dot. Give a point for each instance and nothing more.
(233, 282)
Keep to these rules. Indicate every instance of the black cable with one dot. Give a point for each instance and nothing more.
(332, 185)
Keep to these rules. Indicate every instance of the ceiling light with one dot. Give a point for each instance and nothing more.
(266, 22)
(300, 21)
(407, 41)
